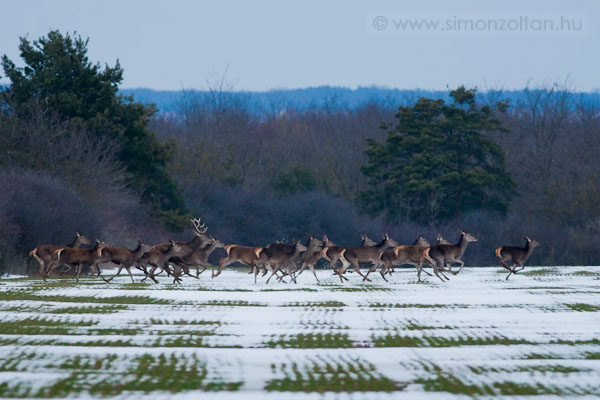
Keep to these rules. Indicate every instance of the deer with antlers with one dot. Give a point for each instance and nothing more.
(80, 258)
(46, 256)
(124, 258)
(516, 255)
(185, 249)
(198, 258)
(442, 255)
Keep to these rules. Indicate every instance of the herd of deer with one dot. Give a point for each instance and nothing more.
(176, 258)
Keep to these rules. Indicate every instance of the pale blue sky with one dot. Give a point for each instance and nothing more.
(283, 44)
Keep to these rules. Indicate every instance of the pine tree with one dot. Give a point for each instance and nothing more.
(58, 72)
(436, 162)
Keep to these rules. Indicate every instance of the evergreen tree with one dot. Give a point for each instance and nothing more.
(436, 162)
(58, 73)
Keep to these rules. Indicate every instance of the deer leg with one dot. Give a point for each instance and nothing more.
(223, 262)
(382, 272)
(115, 275)
(372, 269)
(462, 264)
(435, 268)
(312, 268)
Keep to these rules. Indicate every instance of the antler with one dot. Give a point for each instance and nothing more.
(200, 228)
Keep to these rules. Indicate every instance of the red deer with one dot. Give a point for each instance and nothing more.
(198, 258)
(312, 255)
(236, 253)
(516, 255)
(46, 256)
(370, 254)
(405, 254)
(276, 256)
(447, 254)
(80, 258)
(159, 257)
(124, 258)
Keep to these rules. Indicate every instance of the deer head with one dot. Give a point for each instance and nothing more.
(468, 237)
(531, 242)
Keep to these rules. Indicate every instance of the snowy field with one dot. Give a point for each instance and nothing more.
(477, 336)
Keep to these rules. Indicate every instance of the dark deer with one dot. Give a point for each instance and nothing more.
(516, 255)
(124, 258)
(80, 258)
(46, 256)
(199, 240)
(159, 257)
(276, 257)
(447, 254)
(198, 258)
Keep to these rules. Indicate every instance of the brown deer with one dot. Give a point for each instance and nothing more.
(389, 254)
(236, 253)
(405, 254)
(158, 257)
(370, 254)
(275, 257)
(332, 253)
(312, 255)
(124, 258)
(45, 254)
(516, 255)
(199, 240)
(80, 258)
(447, 254)
(198, 258)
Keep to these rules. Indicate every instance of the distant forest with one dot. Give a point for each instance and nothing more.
(265, 166)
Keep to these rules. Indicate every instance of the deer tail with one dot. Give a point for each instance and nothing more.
(498, 251)
(33, 252)
(58, 252)
(228, 248)
(257, 251)
(427, 256)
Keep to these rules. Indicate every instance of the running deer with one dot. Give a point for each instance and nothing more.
(371, 255)
(158, 257)
(516, 255)
(405, 254)
(389, 254)
(236, 253)
(199, 240)
(275, 257)
(332, 253)
(447, 254)
(312, 255)
(198, 258)
(45, 254)
(124, 258)
(80, 258)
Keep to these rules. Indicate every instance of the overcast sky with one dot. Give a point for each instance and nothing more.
(265, 45)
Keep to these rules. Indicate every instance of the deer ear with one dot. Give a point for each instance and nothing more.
(526, 238)
(461, 231)
(77, 233)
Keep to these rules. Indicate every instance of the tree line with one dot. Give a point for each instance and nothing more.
(77, 156)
